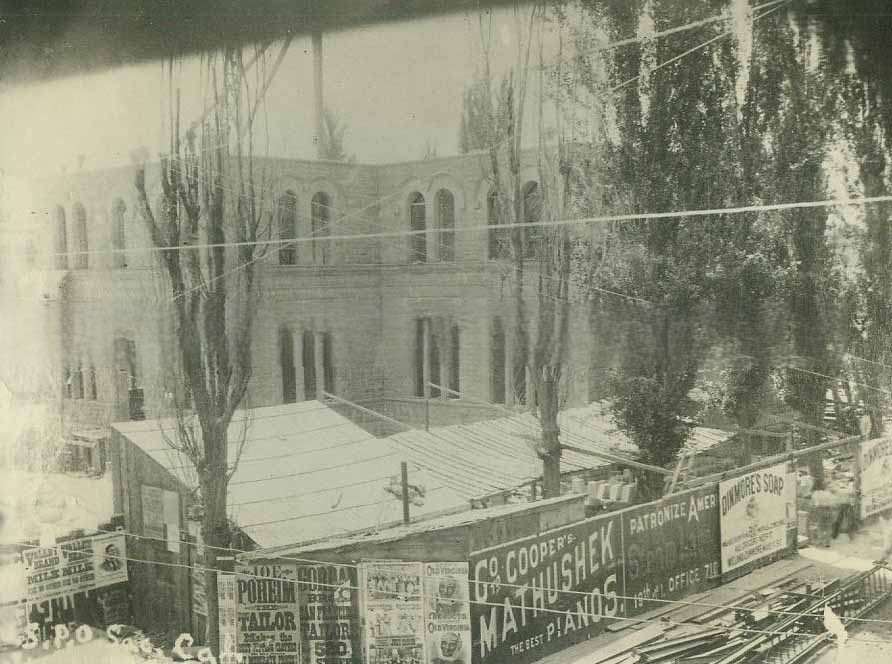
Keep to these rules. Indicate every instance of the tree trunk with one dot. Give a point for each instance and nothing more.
(215, 531)
(551, 446)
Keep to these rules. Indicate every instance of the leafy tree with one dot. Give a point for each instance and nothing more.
(675, 130)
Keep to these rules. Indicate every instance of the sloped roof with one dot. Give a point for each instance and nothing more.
(497, 455)
(306, 472)
(399, 531)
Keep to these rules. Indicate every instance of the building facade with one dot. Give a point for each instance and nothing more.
(394, 321)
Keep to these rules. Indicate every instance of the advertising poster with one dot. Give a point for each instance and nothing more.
(671, 548)
(447, 613)
(74, 566)
(876, 470)
(753, 519)
(152, 511)
(267, 614)
(392, 607)
(539, 594)
(199, 591)
(329, 614)
(227, 603)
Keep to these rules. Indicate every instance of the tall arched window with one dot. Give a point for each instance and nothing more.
(81, 258)
(130, 393)
(454, 363)
(445, 206)
(286, 364)
(60, 239)
(417, 223)
(328, 368)
(119, 233)
(309, 361)
(498, 238)
(497, 361)
(78, 383)
(532, 213)
(320, 211)
(92, 391)
(286, 213)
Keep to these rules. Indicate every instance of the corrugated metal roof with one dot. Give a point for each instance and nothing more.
(497, 455)
(306, 472)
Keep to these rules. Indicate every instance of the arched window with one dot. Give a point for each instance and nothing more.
(119, 236)
(286, 213)
(77, 387)
(532, 213)
(130, 396)
(417, 223)
(328, 368)
(286, 364)
(320, 212)
(454, 363)
(81, 258)
(92, 391)
(419, 357)
(60, 239)
(309, 361)
(498, 238)
(497, 361)
(445, 202)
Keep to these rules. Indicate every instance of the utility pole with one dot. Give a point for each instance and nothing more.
(404, 471)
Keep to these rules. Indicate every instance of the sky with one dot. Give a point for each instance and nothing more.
(398, 87)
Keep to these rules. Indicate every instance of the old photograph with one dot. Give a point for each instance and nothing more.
(445, 331)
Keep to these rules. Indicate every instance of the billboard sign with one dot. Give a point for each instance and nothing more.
(541, 593)
(753, 520)
(876, 476)
(671, 548)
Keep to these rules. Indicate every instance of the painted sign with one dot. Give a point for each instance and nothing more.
(541, 593)
(753, 510)
(671, 548)
(447, 613)
(74, 566)
(876, 476)
(329, 617)
(392, 608)
(267, 614)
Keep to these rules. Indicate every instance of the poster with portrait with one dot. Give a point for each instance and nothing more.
(447, 613)
(74, 566)
(392, 607)
(753, 516)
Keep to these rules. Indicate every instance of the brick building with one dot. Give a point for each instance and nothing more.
(374, 320)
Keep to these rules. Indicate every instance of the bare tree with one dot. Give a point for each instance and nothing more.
(211, 197)
(540, 350)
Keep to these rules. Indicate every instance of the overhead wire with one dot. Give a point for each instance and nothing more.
(660, 621)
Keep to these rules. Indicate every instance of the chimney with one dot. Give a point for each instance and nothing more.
(317, 89)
